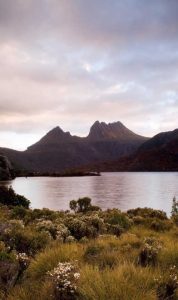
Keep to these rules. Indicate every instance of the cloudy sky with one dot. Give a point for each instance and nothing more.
(71, 62)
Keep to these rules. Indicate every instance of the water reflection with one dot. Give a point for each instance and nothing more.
(121, 190)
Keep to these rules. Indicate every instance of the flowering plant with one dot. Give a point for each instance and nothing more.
(167, 285)
(64, 278)
(149, 252)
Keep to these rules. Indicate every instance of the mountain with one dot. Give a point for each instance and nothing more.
(112, 131)
(159, 153)
(59, 151)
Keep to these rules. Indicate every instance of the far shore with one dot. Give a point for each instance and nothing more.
(67, 174)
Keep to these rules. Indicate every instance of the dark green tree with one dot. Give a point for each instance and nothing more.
(84, 204)
(9, 197)
(174, 211)
(73, 205)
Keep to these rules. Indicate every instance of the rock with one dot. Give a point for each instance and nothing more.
(6, 170)
(9, 272)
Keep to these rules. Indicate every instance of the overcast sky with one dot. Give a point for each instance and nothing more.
(71, 62)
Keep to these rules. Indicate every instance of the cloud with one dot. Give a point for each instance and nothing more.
(69, 63)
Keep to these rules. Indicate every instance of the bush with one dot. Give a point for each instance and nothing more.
(64, 279)
(47, 226)
(115, 229)
(115, 217)
(79, 228)
(174, 212)
(9, 197)
(83, 205)
(167, 285)
(19, 212)
(149, 253)
(159, 225)
(25, 240)
(147, 213)
(138, 220)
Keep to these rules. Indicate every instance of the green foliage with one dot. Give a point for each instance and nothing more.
(80, 229)
(160, 225)
(174, 212)
(174, 207)
(115, 217)
(64, 279)
(82, 205)
(9, 197)
(149, 252)
(26, 240)
(19, 212)
(147, 213)
(118, 255)
(73, 205)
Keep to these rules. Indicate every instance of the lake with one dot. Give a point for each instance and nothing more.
(121, 190)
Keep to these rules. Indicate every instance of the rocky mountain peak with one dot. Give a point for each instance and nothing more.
(53, 137)
(112, 131)
(56, 133)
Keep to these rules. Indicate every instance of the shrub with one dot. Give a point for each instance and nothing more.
(138, 220)
(25, 240)
(167, 285)
(64, 278)
(159, 225)
(174, 207)
(45, 214)
(96, 222)
(24, 260)
(115, 217)
(57, 231)
(9, 197)
(79, 228)
(73, 205)
(19, 212)
(174, 212)
(70, 239)
(115, 229)
(83, 205)
(147, 213)
(149, 252)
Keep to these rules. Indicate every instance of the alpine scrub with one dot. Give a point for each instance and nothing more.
(87, 254)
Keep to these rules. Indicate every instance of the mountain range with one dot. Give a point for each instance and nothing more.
(159, 153)
(108, 147)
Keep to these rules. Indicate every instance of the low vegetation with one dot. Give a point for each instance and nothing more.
(86, 254)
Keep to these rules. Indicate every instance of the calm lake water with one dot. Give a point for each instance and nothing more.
(121, 190)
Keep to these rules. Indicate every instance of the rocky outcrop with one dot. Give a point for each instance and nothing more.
(9, 272)
(113, 131)
(6, 170)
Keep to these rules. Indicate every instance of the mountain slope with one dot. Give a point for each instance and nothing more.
(160, 153)
(58, 151)
(6, 170)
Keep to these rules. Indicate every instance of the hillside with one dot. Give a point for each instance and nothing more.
(160, 153)
(58, 151)
(6, 170)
